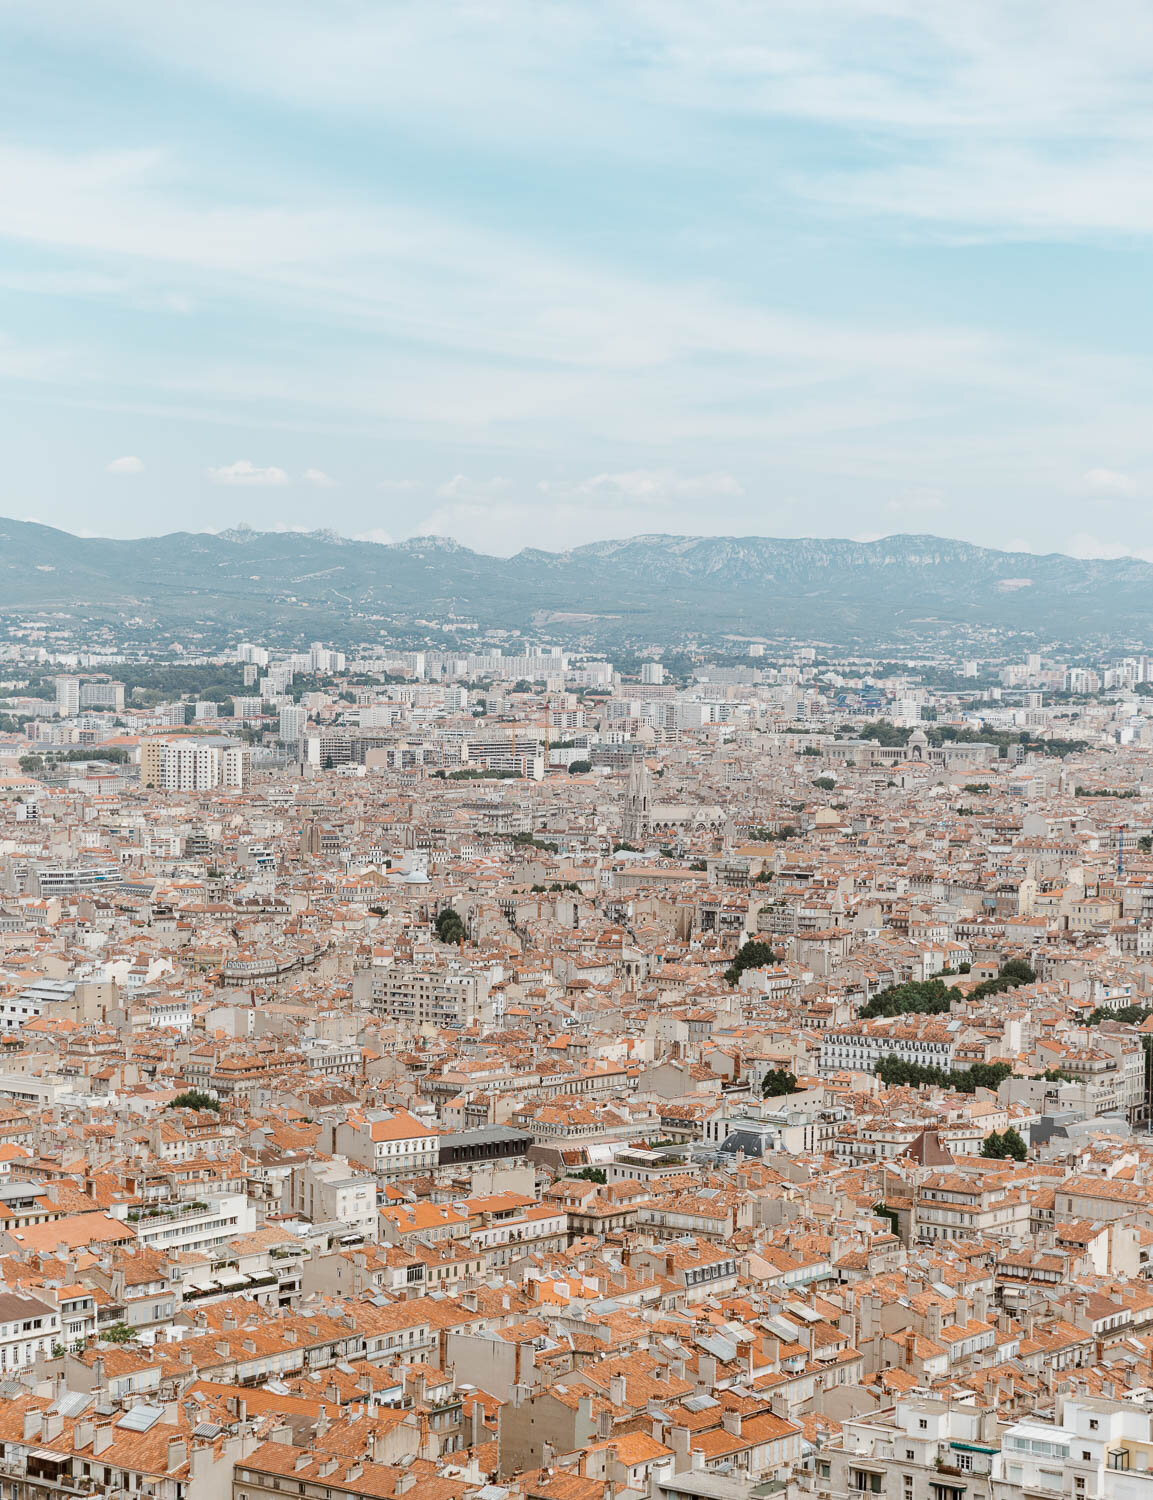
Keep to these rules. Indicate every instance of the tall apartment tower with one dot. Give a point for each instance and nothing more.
(292, 722)
(67, 697)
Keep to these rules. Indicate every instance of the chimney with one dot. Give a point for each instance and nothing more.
(706, 1371)
(617, 1390)
(101, 1438)
(281, 1434)
(731, 1422)
(177, 1453)
(682, 1454)
(933, 1321)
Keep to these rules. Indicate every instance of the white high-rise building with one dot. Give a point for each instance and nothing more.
(292, 722)
(189, 768)
(652, 673)
(67, 697)
(234, 764)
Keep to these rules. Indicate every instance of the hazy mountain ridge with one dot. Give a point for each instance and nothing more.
(660, 584)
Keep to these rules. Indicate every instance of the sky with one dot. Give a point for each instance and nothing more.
(536, 274)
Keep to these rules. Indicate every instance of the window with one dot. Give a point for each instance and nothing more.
(1093, 1424)
(923, 1423)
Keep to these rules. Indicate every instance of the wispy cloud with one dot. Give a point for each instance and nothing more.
(1111, 482)
(661, 287)
(491, 516)
(244, 471)
(129, 464)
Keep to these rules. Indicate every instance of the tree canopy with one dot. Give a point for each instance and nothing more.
(779, 1081)
(1009, 1146)
(918, 997)
(751, 955)
(449, 927)
(195, 1099)
(893, 1070)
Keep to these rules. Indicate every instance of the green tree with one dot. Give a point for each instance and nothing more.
(779, 1081)
(449, 927)
(894, 1071)
(591, 1174)
(1007, 1147)
(195, 1099)
(750, 955)
(825, 783)
(1013, 973)
(119, 1333)
(1128, 1015)
(918, 997)
(579, 767)
(1015, 1147)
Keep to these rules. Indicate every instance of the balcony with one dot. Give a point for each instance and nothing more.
(36, 1473)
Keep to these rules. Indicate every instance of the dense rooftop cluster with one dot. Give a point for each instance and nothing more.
(638, 1090)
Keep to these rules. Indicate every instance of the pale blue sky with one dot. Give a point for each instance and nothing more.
(537, 273)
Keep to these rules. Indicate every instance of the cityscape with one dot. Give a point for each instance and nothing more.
(576, 750)
(528, 1073)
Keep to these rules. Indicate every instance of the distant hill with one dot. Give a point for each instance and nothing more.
(654, 587)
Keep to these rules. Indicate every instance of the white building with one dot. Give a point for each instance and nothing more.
(292, 722)
(67, 697)
(196, 1226)
(28, 1330)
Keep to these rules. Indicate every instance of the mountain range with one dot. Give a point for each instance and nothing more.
(655, 587)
